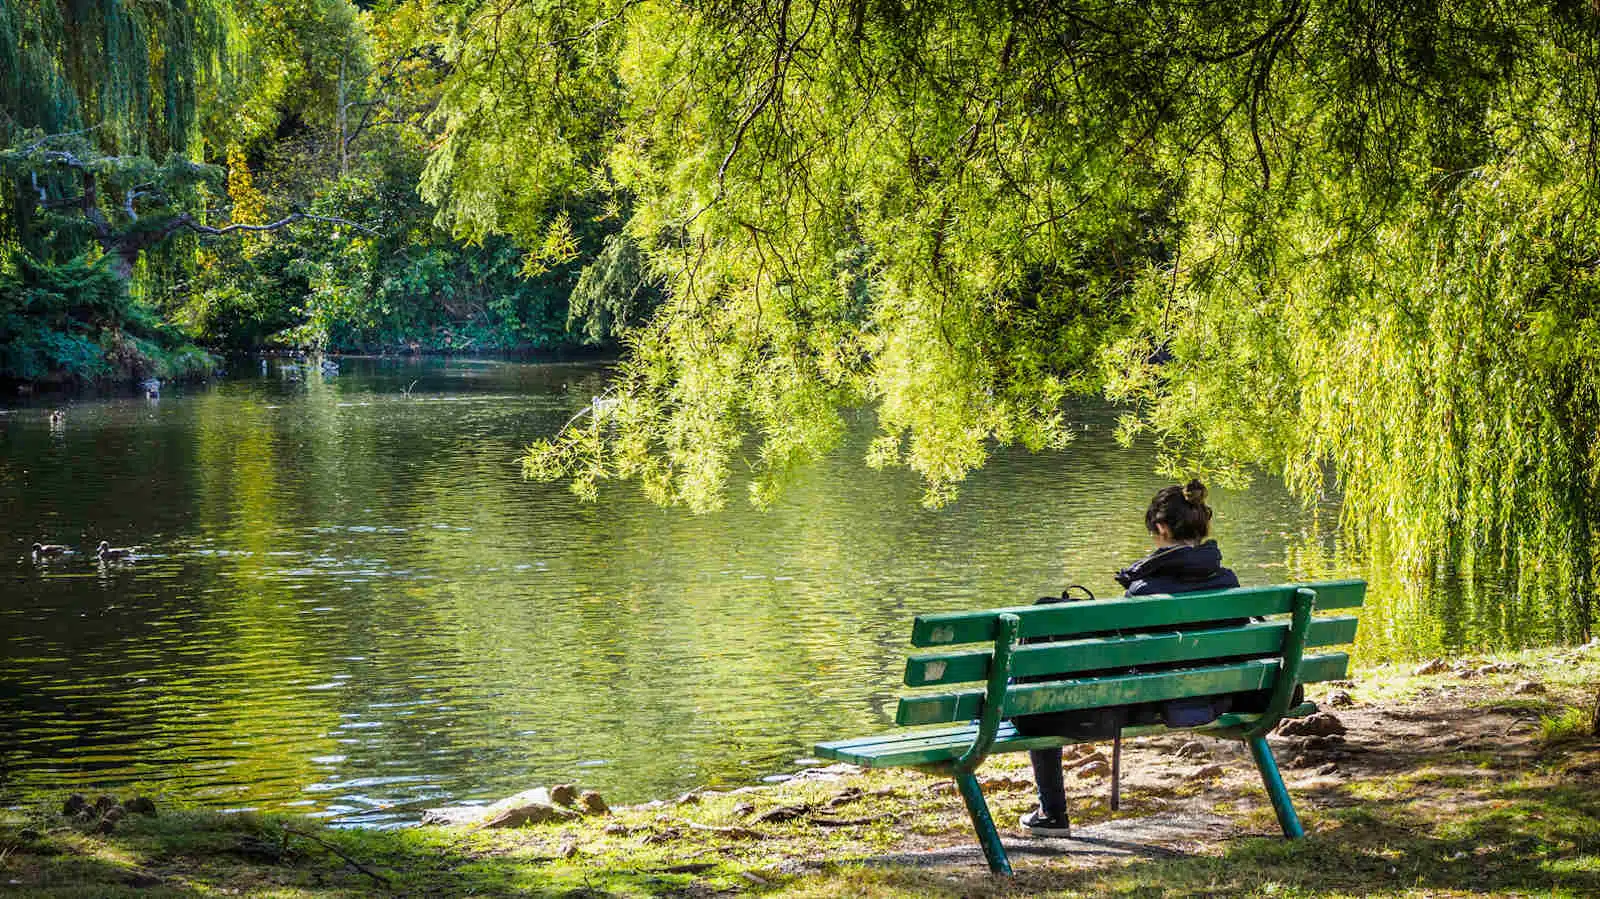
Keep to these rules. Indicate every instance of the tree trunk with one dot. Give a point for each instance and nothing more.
(1594, 723)
(123, 261)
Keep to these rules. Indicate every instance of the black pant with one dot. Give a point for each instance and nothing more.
(1052, 784)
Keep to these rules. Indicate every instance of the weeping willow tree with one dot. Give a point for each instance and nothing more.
(100, 105)
(127, 78)
(1354, 243)
(108, 113)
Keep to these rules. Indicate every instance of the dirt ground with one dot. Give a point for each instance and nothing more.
(1476, 777)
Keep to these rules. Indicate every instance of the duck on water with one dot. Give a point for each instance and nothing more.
(105, 552)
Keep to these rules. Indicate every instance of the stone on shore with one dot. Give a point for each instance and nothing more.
(592, 803)
(528, 807)
(1093, 767)
(1320, 724)
(141, 805)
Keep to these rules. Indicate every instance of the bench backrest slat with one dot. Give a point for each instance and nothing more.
(1072, 657)
(1071, 618)
(1117, 690)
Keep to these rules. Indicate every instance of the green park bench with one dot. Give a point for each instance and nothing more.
(1258, 655)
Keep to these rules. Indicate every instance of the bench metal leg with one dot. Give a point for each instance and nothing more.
(1116, 772)
(988, 837)
(1273, 781)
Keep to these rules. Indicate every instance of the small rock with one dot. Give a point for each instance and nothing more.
(1431, 666)
(1194, 749)
(593, 803)
(755, 878)
(141, 805)
(1092, 768)
(453, 816)
(1528, 687)
(104, 803)
(1323, 744)
(1206, 772)
(942, 786)
(1329, 768)
(1466, 673)
(1299, 761)
(537, 794)
(618, 829)
(664, 836)
(108, 821)
(75, 805)
(27, 833)
(743, 809)
(563, 794)
(1320, 724)
(531, 813)
(1339, 699)
(690, 798)
(569, 846)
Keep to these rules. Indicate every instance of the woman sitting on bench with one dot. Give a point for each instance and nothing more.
(1183, 561)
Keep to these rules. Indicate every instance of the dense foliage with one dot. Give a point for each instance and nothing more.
(76, 318)
(250, 170)
(1353, 243)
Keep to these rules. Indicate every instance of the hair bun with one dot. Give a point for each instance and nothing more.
(1195, 492)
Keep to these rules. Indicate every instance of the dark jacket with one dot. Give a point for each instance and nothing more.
(1169, 569)
(1178, 569)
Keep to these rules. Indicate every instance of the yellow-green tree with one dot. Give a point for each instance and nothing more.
(1353, 243)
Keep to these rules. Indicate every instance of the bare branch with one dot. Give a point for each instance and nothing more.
(187, 221)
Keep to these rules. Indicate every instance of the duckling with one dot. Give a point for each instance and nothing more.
(50, 549)
(107, 553)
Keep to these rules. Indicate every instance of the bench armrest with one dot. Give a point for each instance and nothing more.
(1294, 650)
(1007, 626)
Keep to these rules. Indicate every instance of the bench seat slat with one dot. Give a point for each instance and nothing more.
(931, 747)
(1116, 690)
(1069, 657)
(1067, 618)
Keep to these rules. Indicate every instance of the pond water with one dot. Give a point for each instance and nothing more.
(347, 602)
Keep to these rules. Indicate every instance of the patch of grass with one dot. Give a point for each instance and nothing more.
(1569, 725)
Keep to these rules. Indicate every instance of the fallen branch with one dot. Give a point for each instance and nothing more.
(331, 847)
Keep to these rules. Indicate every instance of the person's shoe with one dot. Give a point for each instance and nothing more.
(1039, 824)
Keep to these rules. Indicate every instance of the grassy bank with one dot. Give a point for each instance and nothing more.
(1480, 779)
